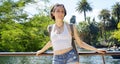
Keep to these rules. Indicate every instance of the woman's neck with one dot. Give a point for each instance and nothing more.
(59, 23)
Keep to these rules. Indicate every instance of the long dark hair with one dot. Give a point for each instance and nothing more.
(53, 10)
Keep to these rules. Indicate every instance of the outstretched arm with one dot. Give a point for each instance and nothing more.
(83, 44)
(47, 46)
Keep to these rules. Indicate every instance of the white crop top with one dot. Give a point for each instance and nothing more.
(62, 40)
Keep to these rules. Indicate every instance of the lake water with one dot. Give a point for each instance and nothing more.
(96, 59)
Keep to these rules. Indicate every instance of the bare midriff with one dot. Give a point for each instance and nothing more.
(59, 52)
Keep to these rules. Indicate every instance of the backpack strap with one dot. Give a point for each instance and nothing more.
(71, 27)
(73, 42)
(49, 29)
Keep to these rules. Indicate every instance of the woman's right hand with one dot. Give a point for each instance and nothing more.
(39, 52)
(48, 45)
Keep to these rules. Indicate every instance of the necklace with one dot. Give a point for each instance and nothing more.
(59, 29)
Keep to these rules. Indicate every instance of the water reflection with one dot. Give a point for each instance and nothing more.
(95, 59)
(26, 60)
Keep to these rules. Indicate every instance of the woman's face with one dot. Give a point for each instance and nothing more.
(59, 13)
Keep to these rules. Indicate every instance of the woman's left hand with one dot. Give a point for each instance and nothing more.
(101, 51)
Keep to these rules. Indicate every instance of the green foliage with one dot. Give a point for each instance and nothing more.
(83, 6)
(89, 32)
(17, 31)
(29, 36)
(104, 15)
(83, 27)
(116, 34)
(118, 26)
(20, 33)
(116, 10)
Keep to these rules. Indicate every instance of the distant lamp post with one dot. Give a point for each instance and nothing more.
(73, 19)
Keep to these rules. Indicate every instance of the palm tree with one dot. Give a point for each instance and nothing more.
(83, 6)
(116, 11)
(104, 16)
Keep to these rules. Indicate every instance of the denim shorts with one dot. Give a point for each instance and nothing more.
(69, 57)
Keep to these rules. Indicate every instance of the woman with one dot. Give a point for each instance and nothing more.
(61, 39)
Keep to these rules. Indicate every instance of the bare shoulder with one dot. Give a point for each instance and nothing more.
(75, 30)
(75, 27)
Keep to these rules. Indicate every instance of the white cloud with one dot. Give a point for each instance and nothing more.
(80, 16)
(94, 14)
(32, 9)
(118, 0)
(40, 5)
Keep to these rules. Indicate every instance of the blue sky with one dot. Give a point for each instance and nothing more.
(71, 5)
(97, 6)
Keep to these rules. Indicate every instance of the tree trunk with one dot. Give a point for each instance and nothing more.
(104, 32)
(118, 19)
(84, 15)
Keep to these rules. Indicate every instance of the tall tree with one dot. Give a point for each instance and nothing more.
(15, 33)
(83, 6)
(13, 10)
(116, 11)
(104, 16)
